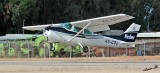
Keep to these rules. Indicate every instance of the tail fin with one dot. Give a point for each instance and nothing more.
(130, 34)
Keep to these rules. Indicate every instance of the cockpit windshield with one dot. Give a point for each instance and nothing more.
(67, 26)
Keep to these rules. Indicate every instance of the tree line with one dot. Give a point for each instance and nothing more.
(13, 13)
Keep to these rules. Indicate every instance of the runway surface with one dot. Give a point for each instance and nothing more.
(79, 66)
(80, 63)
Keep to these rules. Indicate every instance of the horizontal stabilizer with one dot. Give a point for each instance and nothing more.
(131, 43)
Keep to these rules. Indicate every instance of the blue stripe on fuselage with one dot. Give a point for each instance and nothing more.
(72, 33)
(63, 30)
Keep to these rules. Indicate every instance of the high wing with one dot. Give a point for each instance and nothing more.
(38, 27)
(101, 23)
(97, 24)
(18, 36)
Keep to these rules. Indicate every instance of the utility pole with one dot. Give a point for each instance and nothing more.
(144, 53)
(127, 50)
(144, 47)
(23, 25)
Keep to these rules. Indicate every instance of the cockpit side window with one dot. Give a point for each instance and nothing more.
(76, 29)
(86, 31)
(67, 26)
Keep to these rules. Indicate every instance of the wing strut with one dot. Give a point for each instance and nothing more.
(80, 31)
(80, 45)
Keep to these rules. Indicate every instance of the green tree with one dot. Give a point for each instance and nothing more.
(27, 10)
(5, 17)
(146, 12)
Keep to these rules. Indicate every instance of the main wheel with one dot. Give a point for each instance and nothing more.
(85, 49)
(62, 51)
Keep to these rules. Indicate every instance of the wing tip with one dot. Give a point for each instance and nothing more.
(131, 17)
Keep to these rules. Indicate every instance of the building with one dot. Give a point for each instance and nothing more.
(150, 46)
(151, 43)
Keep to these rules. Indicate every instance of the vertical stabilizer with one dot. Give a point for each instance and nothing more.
(133, 28)
(130, 34)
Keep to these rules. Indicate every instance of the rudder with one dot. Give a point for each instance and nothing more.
(130, 34)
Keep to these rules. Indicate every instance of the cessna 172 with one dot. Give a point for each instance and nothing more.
(83, 32)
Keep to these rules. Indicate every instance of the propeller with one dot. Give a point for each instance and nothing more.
(47, 28)
(43, 30)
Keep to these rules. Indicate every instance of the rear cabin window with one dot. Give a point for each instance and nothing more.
(86, 31)
(68, 26)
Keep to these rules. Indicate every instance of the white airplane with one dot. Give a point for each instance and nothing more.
(83, 32)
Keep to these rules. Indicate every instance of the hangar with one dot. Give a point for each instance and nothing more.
(151, 43)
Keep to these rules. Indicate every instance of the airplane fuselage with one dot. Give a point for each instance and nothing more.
(62, 35)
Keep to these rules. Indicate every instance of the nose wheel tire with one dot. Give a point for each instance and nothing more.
(62, 51)
(52, 48)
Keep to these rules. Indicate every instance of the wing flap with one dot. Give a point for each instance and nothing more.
(98, 28)
(102, 21)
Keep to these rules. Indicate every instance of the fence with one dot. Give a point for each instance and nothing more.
(29, 49)
(23, 49)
